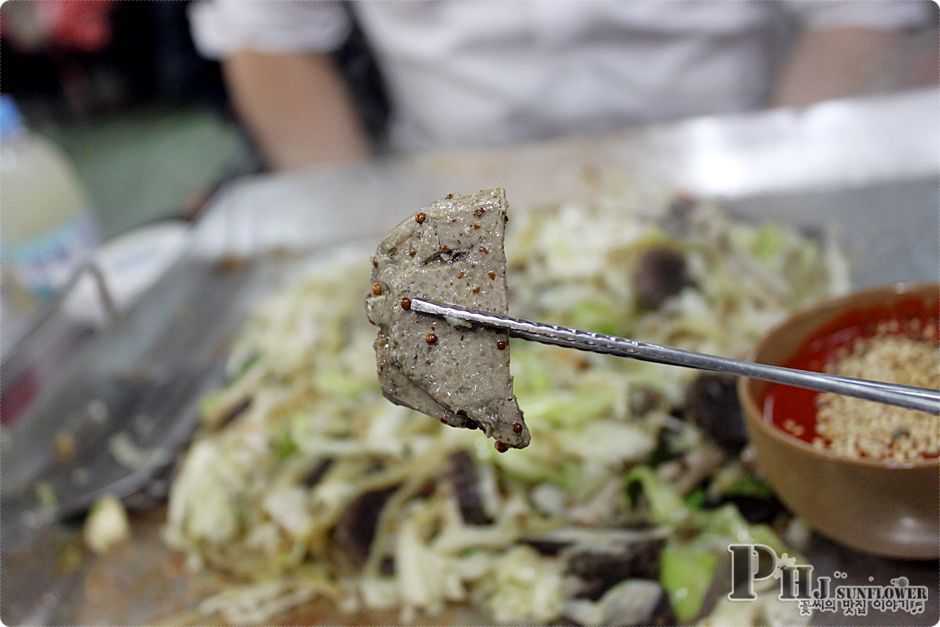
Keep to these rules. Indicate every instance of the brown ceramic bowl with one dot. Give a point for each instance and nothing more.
(881, 507)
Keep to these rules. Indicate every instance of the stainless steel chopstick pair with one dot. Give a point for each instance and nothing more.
(909, 397)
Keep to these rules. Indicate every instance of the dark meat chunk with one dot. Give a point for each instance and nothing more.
(602, 570)
(720, 587)
(660, 274)
(356, 527)
(643, 400)
(463, 473)
(754, 509)
(711, 403)
(316, 473)
(662, 614)
(228, 415)
(664, 450)
(546, 547)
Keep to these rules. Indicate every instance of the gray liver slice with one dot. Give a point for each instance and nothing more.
(451, 252)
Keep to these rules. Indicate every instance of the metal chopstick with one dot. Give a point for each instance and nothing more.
(909, 397)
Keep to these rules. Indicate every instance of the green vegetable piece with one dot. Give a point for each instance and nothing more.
(566, 409)
(686, 574)
(727, 522)
(597, 316)
(285, 445)
(696, 498)
(769, 242)
(750, 486)
(522, 467)
(45, 494)
(664, 503)
(250, 361)
(662, 453)
(338, 384)
(569, 476)
(538, 378)
(209, 405)
(69, 557)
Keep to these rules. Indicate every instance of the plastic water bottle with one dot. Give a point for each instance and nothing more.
(47, 227)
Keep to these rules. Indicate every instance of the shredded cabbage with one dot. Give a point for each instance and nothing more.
(301, 430)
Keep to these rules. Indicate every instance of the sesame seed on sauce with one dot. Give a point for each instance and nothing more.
(421, 217)
(476, 226)
(479, 211)
(517, 427)
(406, 303)
(858, 429)
(492, 275)
(377, 289)
(476, 290)
(430, 338)
(501, 345)
(412, 253)
(501, 447)
(484, 250)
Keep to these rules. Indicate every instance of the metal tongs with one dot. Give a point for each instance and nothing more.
(906, 396)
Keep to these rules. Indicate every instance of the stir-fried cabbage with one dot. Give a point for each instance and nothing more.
(301, 434)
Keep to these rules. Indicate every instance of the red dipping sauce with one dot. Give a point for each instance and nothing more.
(795, 407)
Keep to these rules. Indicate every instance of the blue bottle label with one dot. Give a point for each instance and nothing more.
(45, 263)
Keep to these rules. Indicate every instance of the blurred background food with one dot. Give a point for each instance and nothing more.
(120, 88)
(148, 122)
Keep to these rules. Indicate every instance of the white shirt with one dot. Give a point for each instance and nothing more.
(482, 73)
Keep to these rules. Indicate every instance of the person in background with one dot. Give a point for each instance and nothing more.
(464, 74)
